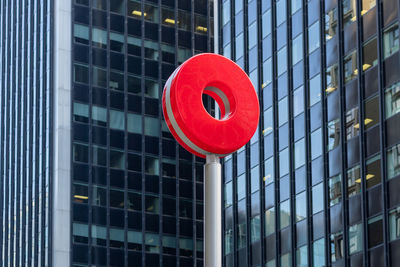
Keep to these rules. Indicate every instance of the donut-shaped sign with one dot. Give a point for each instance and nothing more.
(190, 123)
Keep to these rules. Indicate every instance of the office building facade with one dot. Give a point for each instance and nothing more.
(318, 183)
(91, 175)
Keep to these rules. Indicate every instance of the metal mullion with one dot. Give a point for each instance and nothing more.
(362, 149)
(382, 140)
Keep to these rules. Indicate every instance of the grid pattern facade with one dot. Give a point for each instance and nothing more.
(25, 132)
(318, 183)
(136, 195)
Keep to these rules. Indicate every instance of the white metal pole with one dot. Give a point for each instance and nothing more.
(212, 212)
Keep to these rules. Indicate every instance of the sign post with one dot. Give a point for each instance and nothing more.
(208, 137)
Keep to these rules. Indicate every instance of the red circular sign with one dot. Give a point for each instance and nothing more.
(187, 119)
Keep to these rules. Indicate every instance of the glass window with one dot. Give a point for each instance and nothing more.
(315, 90)
(270, 221)
(331, 78)
(184, 20)
(99, 38)
(267, 72)
(319, 253)
(313, 37)
(117, 120)
(297, 49)
(284, 213)
(391, 41)
(393, 161)
(151, 126)
(255, 176)
(394, 223)
(255, 227)
(392, 100)
(299, 153)
(81, 73)
(241, 187)
(285, 260)
(228, 241)
(375, 230)
(296, 5)
(239, 45)
(333, 129)
(337, 246)
(81, 112)
(200, 24)
(298, 101)
(282, 61)
(280, 12)
(81, 34)
(242, 234)
(316, 143)
(352, 123)
(228, 194)
(335, 189)
(283, 111)
(373, 172)
(355, 238)
(284, 162)
(301, 206)
(349, 11)
(117, 42)
(99, 116)
(134, 122)
(370, 54)
(269, 171)
(117, 159)
(151, 13)
(99, 77)
(268, 121)
(371, 112)
(238, 6)
(331, 24)
(252, 35)
(266, 23)
(302, 257)
(226, 12)
(317, 198)
(367, 5)
(99, 197)
(350, 66)
(353, 181)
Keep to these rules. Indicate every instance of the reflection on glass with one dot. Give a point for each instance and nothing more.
(239, 45)
(270, 221)
(333, 134)
(335, 189)
(370, 54)
(393, 161)
(267, 72)
(297, 49)
(241, 187)
(299, 153)
(282, 111)
(242, 234)
(298, 101)
(373, 171)
(284, 162)
(81, 34)
(349, 11)
(337, 246)
(371, 112)
(367, 5)
(319, 253)
(302, 257)
(285, 260)
(355, 238)
(316, 143)
(332, 78)
(255, 228)
(228, 241)
(331, 24)
(266, 23)
(317, 198)
(392, 100)
(353, 181)
(315, 90)
(313, 37)
(301, 206)
(269, 171)
(394, 223)
(375, 229)
(282, 61)
(284, 213)
(296, 5)
(350, 66)
(352, 123)
(226, 12)
(280, 12)
(391, 41)
(228, 194)
(99, 38)
(268, 121)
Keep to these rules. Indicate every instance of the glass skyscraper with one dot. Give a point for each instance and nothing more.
(318, 183)
(90, 175)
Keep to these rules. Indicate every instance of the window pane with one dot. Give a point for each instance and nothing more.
(315, 90)
(353, 181)
(239, 45)
(117, 120)
(99, 38)
(81, 34)
(228, 194)
(331, 24)
(284, 162)
(99, 115)
(255, 227)
(269, 221)
(241, 187)
(151, 126)
(394, 223)
(134, 122)
(268, 121)
(267, 72)
(297, 49)
(269, 171)
(280, 12)
(373, 172)
(81, 73)
(350, 66)
(296, 5)
(284, 213)
(349, 11)
(352, 123)
(367, 5)
(242, 234)
(337, 246)
(282, 61)
(313, 37)
(333, 134)
(81, 112)
(392, 100)
(316, 144)
(298, 101)
(391, 41)
(370, 54)
(302, 257)
(371, 112)
(283, 111)
(226, 11)
(335, 189)
(266, 23)
(299, 153)
(393, 161)
(375, 231)
(319, 253)
(331, 78)
(301, 206)
(317, 198)
(355, 238)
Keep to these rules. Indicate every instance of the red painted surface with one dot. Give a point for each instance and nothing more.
(192, 126)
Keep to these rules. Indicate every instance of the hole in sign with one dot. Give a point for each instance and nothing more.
(222, 104)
